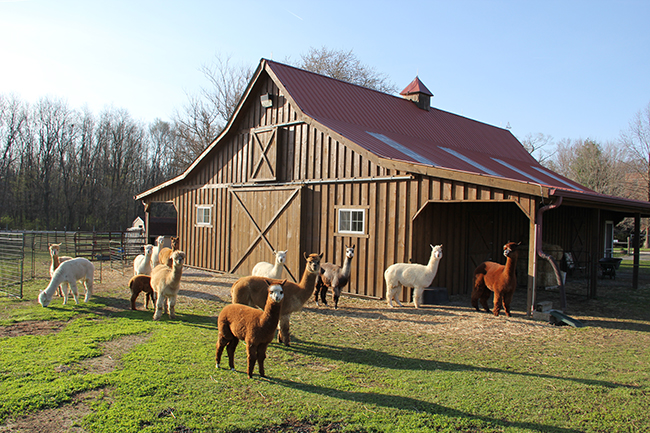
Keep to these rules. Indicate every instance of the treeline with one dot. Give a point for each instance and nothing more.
(67, 169)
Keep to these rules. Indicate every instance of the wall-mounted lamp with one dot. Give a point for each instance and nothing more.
(266, 100)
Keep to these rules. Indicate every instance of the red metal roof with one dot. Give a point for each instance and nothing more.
(395, 128)
(416, 86)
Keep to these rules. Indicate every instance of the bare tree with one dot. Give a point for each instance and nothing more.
(589, 163)
(636, 142)
(344, 65)
(204, 116)
(538, 146)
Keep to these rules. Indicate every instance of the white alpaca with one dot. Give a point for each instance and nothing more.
(156, 250)
(412, 275)
(265, 269)
(70, 272)
(142, 262)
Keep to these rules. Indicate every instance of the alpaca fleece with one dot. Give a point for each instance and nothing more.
(500, 279)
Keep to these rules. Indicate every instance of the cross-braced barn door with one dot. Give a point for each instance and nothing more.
(480, 242)
(263, 220)
(264, 155)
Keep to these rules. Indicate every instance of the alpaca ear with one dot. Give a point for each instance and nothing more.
(320, 255)
(305, 255)
(283, 281)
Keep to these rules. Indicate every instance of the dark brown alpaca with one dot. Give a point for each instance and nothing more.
(501, 279)
(254, 326)
(252, 291)
(141, 283)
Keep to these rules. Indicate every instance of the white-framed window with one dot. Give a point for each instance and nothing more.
(352, 221)
(203, 215)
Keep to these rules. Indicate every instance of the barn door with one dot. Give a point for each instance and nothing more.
(264, 155)
(263, 220)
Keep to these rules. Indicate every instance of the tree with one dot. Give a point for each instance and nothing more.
(538, 146)
(344, 65)
(587, 162)
(636, 142)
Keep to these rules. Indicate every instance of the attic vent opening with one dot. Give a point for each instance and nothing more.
(418, 93)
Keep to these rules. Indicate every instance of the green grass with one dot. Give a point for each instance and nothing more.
(340, 374)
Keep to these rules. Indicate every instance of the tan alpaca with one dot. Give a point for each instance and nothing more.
(165, 253)
(165, 281)
(253, 291)
(56, 261)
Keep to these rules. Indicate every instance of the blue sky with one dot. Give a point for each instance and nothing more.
(569, 69)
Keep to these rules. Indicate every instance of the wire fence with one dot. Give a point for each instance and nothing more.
(24, 255)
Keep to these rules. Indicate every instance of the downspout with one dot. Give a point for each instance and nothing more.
(547, 257)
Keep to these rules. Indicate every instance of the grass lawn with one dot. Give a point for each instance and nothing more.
(100, 367)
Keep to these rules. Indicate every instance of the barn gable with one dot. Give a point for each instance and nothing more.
(304, 155)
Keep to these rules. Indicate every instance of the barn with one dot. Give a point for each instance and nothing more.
(309, 164)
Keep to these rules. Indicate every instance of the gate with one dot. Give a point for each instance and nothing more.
(12, 261)
(263, 220)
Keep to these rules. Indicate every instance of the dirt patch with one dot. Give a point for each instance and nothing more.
(66, 418)
(112, 353)
(34, 327)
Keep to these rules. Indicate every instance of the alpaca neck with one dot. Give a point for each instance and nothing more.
(347, 265)
(176, 273)
(433, 264)
(271, 312)
(511, 263)
(307, 284)
(55, 261)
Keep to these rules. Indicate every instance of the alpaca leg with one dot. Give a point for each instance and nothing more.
(172, 307)
(336, 294)
(507, 297)
(230, 349)
(88, 284)
(417, 296)
(477, 293)
(323, 294)
(251, 358)
(65, 293)
(134, 296)
(221, 344)
(283, 335)
(75, 292)
(498, 303)
(160, 306)
(484, 299)
(261, 356)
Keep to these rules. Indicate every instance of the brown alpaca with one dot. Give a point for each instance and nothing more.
(165, 254)
(252, 291)
(56, 261)
(138, 284)
(254, 326)
(165, 281)
(500, 279)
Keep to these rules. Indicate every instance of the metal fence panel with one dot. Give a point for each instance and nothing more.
(12, 260)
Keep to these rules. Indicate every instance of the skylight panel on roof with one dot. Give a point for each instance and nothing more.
(521, 172)
(469, 161)
(405, 150)
(549, 174)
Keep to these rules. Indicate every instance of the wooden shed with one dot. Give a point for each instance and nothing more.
(309, 164)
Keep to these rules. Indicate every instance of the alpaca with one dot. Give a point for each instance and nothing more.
(166, 283)
(141, 283)
(156, 250)
(70, 272)
(265, 269)
(335, 277)
(165, 253)
(253, 291)
(254, 326)
(500, 279)
(412, 275)
(142, 262)
(56, 261)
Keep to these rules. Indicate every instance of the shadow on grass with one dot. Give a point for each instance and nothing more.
(413, 404)
(375, 358)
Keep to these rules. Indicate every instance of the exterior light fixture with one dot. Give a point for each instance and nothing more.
(266, 100)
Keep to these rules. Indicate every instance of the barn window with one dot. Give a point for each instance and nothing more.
(352, 221)
(203, 215)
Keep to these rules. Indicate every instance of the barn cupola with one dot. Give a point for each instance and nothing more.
(418, 93)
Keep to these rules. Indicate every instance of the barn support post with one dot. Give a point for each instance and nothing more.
(532, 265)
(635, 244)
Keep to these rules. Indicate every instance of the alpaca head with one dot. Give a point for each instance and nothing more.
(54, 249)
(276, 293)
(160, 240)
(436, 252)
(175, 242)
(510, 247)
(148, 249)
(349, 251)
(280, 256)
(43, 299)
(313, 262)
(177, 258)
